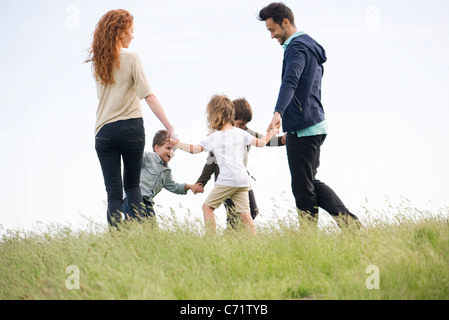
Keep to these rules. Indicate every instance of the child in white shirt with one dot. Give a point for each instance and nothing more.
(228, 144)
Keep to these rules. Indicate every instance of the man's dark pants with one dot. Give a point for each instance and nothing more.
(304, 159)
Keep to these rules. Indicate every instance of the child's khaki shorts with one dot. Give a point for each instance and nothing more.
(238, 195)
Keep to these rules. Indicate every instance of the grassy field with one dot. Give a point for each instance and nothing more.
(400, 260)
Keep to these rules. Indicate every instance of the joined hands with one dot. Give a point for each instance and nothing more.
(197, 188)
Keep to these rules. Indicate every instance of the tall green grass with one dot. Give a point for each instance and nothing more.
(286, 260)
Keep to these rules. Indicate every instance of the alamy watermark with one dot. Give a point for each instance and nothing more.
(72, 21)
(373, 17)
(373, 280)
(73, 280)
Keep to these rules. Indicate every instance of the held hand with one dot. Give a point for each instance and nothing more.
(284, 139)
(197, 188)
(173, 141)
(172, 137)
(275, 123)
(273, 132)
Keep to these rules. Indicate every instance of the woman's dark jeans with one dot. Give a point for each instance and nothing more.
(304, 159)
(124, 139)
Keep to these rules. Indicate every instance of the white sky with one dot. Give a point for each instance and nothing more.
(385, 93)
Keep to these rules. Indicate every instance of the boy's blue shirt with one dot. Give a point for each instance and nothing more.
(299, 101)
(156, 175)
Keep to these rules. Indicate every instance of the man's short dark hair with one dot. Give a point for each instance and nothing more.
(278, 12)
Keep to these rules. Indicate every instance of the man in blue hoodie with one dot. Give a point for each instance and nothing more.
(299, 106)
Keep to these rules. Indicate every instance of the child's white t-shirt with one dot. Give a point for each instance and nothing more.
(229, 148)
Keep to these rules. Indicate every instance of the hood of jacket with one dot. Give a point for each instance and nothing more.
(313, 46)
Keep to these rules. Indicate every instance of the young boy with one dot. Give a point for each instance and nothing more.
(228, 144)
(156, 174)
(243, 115)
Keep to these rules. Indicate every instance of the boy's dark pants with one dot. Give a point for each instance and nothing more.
(304, 159)
(121, 139)
(149, 209)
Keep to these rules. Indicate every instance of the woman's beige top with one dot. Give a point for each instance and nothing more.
(121, 101)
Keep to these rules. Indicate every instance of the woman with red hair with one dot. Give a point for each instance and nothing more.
(119, 129)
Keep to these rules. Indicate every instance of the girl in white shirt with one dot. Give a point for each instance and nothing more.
(228, 144)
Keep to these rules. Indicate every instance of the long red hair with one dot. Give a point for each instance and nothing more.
(104, 53)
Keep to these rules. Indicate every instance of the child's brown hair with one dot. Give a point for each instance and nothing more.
(243, 110)
(160, 138)
(220, 110)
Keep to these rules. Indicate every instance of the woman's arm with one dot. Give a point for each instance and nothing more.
(157, 109)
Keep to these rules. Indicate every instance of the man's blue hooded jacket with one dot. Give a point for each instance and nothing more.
(299, 101)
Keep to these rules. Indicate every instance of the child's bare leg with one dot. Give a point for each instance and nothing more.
(209, 219)
(248, 221)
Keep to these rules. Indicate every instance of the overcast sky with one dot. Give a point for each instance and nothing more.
(385, 93)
